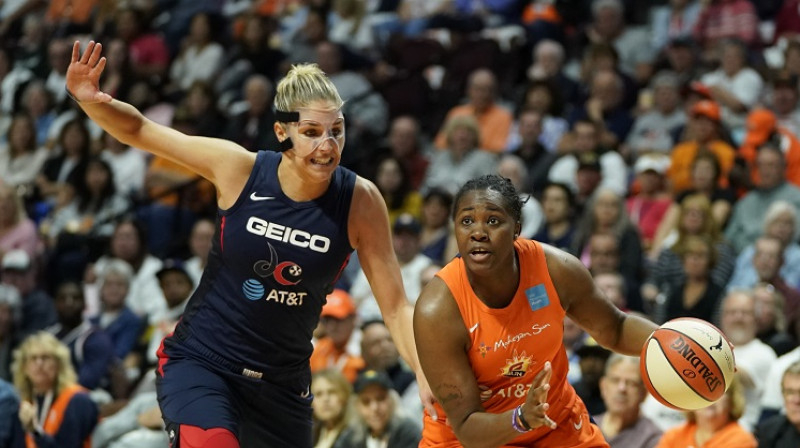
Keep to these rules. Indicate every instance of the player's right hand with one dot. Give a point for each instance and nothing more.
(534, 411)
(83, 74)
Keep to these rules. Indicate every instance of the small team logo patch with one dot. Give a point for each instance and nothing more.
(537, 297)
(517, 366)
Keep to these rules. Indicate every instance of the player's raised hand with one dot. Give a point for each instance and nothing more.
(534, 411)
(83, 74)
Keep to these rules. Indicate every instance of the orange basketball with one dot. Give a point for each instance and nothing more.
(687, 364)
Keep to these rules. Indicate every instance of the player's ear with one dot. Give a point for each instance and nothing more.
(517, 230)
(280, 131)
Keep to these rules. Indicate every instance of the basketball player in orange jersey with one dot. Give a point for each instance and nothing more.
(491, 322)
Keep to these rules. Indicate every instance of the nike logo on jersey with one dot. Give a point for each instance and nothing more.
(256, 197)
(578, 425)
(473, 328)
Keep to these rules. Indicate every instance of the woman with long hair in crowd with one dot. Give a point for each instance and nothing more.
(55, 411)
(606, 213)
(332, 407)
(695, 219)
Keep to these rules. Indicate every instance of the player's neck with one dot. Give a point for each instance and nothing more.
(297, 187)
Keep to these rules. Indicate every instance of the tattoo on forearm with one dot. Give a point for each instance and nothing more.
(448, 392)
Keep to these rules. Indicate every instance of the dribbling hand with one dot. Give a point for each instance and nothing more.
(83, 74)
(534, 411)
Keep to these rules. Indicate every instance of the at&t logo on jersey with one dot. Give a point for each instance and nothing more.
(295, 237)
(253, 290)
(517, 366)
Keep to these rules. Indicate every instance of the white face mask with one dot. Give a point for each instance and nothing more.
(316, 127)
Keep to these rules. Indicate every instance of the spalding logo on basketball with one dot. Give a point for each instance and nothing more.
(687, 364)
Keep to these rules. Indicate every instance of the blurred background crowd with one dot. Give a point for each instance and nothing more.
(656, 141)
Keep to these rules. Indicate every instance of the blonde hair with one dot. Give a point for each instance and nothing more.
(463, 121)
(7, 191)
(303, 85)
(47, 343)
(344, 390)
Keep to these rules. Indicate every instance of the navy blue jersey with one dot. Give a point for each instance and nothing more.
(272, 263)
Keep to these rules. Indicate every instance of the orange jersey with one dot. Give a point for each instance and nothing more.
(730, 435)
(509, 346)
(327, 356)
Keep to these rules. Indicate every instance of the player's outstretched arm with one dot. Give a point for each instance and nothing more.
(222, 162)
(370, 235)
(589, 308)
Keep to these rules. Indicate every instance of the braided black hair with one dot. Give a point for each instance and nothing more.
(502, 185)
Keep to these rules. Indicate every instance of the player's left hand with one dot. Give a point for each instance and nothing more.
(426, 395)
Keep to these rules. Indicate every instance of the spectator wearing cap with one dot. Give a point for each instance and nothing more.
(90, 347)
(380, 354)
(177, 286)
(652, 131)
(692, 92)
(338, 323)
(706, 130)
(649, 205)
(380, 421)
(407, 247)
(38, 310)
(592, 360)
(588, 178)
(735, 86)
(672, 22)
(742, 229)
(585, 138)
(762, 125)
(785, 99)
(10, 318)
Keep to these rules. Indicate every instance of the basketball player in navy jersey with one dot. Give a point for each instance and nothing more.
(235, 371)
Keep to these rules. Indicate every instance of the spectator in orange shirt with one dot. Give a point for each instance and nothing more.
(494, 120)
(705, 122)
(714, 426)
(338, 321)
(762, 125)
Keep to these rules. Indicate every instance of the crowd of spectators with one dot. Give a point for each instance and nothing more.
(656, 141)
